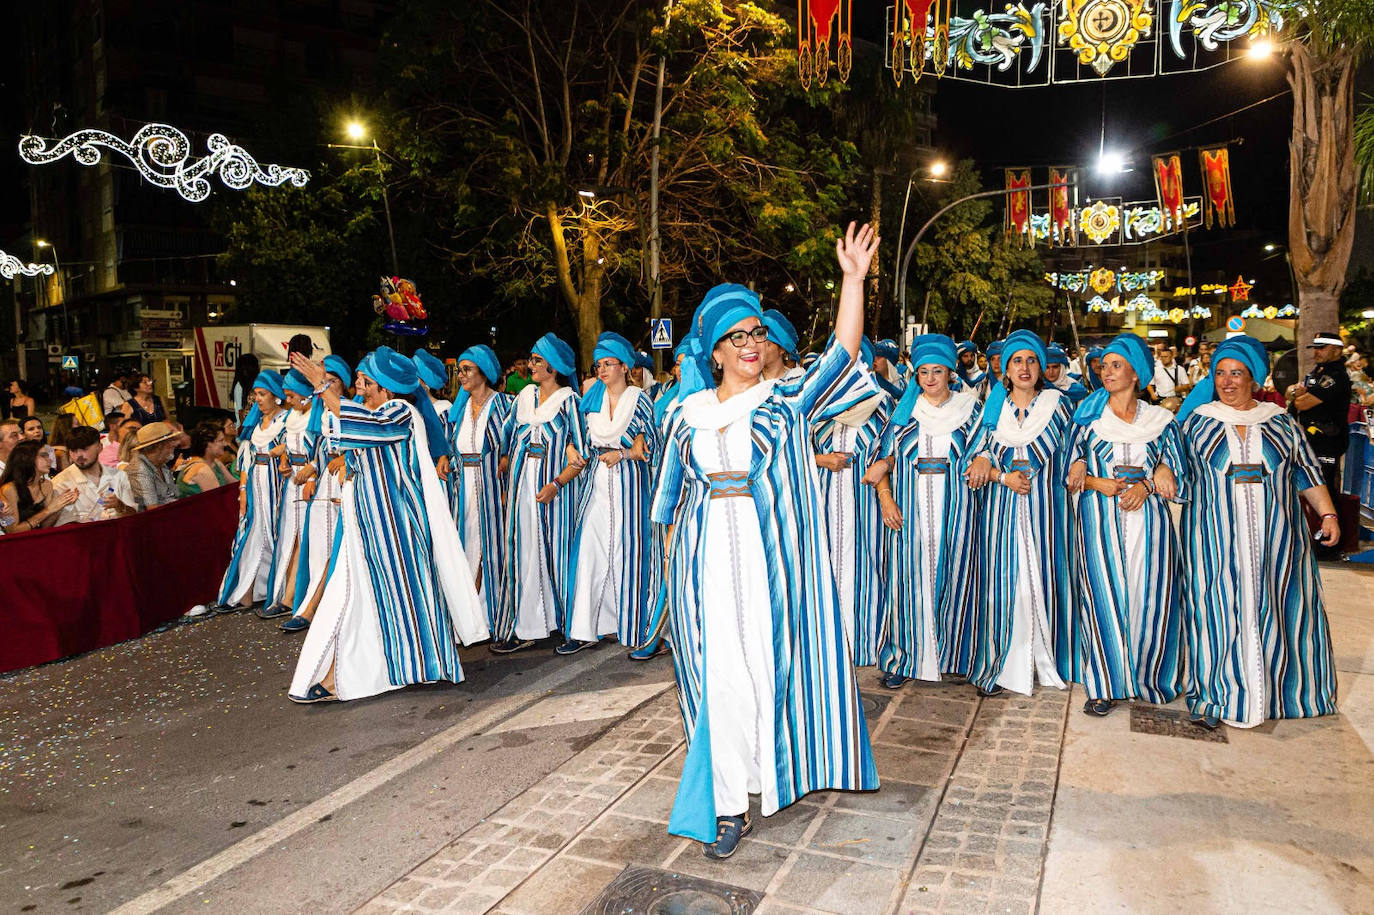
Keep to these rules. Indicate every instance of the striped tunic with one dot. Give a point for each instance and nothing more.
(1021, 616)
(322, 517)
(922, 623)
(855, 522)
(401, 596)
(819, 737)
(616, 578)
(537, 565)
(1127, 570)
(475, 491)
(291, 519)
(250, 565)
(1254, 614)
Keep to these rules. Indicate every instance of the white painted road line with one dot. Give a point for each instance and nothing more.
(240, 852)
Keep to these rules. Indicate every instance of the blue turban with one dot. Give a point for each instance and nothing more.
(432, 371)
(484, 357)
(1017, 341)
(927, 349)
(867, 352)
(609, 345)
(888, 350)
(398, 375)
(1133, 350)
(995, 349)
(271, 382)
(644, 361)
(1057, 355)
(723, 307)
(966, 346)
(781, 331)
(337, 366)
(1246, 350)
(298, 384)
(557, 354)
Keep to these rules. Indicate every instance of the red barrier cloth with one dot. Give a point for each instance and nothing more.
(78, 587)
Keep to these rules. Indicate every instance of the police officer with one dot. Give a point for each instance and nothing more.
(1323, 403)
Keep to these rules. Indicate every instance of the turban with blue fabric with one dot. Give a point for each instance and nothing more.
(1248, 351)
(609, 345)
(927, 349)
(484, 357)
(1134, 351)
(1017, 341)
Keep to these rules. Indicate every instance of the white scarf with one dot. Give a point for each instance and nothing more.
(527, 412)
(262, 437)
(610, 427)
(1041, 412)
(858, 414)
(1150, 421)
(705, 410)
(1261, 412)
(1064, 382)
(942, 419)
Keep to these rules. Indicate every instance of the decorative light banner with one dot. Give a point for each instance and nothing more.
(1064, 41)
(12, 267)
(1270, 312)
(1182, 292)
(815, 21)
(1103, 280)
(162, 155)
(1157, 315)
(1111, 222)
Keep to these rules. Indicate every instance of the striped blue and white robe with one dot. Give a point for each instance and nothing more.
(291, 519)
(1021, 615)
(806, 721)
(1254, 614)
(250, 565)
(1127, 563)
(321, 537)
(930, 554)
(401, 596)
(475, 491)
(537, 565)
(616, 578)
(854, 521)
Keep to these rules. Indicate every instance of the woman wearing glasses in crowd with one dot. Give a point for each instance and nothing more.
(543, 440)
(476, 487)
(767, 690)
(615, 578)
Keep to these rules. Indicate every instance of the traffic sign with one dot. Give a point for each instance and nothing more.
(1190, 341)
(70, 363)
(1236, 324)
(661, 334)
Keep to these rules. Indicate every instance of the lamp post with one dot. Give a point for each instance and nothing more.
(938, 169)
(57, 276)
(356, 130)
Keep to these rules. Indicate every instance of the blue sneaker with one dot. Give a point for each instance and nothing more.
(893, 681)
(572, 646)
(272, 612)
(510, 646)
(1207, 722)
(295, 624)
(650, 651)
(729, 831)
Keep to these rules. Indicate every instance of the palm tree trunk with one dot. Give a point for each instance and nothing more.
(875, 300)
(1322, 184)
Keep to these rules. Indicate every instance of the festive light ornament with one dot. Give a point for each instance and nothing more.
(162, 155)
(1103, 32)
(1100, 222)
(815, 20)
(11, 267)
(1103, 279)
(1240, 290)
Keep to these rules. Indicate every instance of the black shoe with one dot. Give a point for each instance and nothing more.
(509, 646)
(893, 681)
(1099, 707)
(989, 693)
(317, 693)
(272, 612)
(295, 624)
(220, 609)
(729, 831)
(572, 646)
(1206, 722)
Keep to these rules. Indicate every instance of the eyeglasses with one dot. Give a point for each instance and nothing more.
(740, 338)
(466, 369)
(535, 360)
(606, 364)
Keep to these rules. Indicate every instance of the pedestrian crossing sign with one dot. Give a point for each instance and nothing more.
(69, 363)
(661, 335)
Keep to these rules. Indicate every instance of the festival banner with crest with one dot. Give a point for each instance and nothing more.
(823, 27)
(1019, 206)
(1219, 203)
(1168, 175)
(1063, 228)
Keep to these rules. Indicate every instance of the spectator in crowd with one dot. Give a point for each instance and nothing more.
(1201, 367)
(205, 469)
(119, 428)
(146, 407)
(518, 376)
(1170, 378)
(62, 428)
(114, 397)
(28, 493)
(1361, 388)
(32, 428)
(9, 437)
(241, 390)
(21, 404)
(150, 479)
(92, 481)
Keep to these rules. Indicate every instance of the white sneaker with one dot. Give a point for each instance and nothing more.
(198, 610)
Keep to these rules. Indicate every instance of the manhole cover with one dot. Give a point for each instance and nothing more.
(873, 705)
(1168, 722)
(660, 892)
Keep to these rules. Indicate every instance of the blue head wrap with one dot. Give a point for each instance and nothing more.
(966, 346)
(1091, 380)
(1017, 341)
(432, 371)
(644, 361)
(888, 350)
(995, 349)
(337, 366)
(484, 357)
(1137, 353)
(1057, 355)
(609, 345)
(723, 307)
(398, 375)
(781, 331)
(269, 381)
(298, 384)
(927, 349)
(1246, 350)
(557, 354)
(672, 391)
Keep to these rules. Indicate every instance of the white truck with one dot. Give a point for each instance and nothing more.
(218, 348)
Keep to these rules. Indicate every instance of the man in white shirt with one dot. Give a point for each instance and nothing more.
(1171, 380)
(9, 437)
(87, 476)
(115, 396)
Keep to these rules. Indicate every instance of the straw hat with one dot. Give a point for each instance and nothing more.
(153, 434)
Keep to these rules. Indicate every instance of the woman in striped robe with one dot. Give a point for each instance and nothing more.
(260, 498)
(845, 445)
(925, 507)
(1021, 617)
(768, 695)
(401, 596)
(1254, 615)
(615, 576)
(296, 470)
(543, 438)
(323, 493)
(476, 487)
(1125, 462)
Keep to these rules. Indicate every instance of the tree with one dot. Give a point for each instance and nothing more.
(1329, 39)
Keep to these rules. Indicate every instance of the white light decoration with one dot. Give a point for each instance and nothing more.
(11, 267)
(162, 155)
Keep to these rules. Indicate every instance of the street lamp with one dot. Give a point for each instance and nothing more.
(357, 131)
(57, 276)
(1260, 48)
(1111, 163)
(939, 168)
(1270, 248)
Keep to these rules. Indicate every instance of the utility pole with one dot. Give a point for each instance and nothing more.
(655, 247)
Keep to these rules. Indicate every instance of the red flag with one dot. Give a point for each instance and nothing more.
(815, 21)
(1063, 227)
(912, 31)
(1019, 205)
(1169, 186)
(1217, 200)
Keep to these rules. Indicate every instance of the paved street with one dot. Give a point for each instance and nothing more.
(171, 774)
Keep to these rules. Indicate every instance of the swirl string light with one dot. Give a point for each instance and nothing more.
(11, 267)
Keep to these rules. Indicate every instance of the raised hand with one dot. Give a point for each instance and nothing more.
(856, 250)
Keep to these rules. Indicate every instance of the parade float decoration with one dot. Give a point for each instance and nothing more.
(824, 26)
(399, 303)
(162, 156)
(12, 267)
